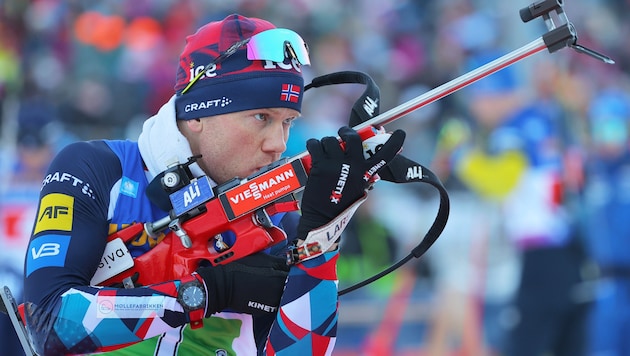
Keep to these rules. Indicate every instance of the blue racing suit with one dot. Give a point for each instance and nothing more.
(93, 189)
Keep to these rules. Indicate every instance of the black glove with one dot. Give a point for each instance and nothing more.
(339, 177)
(251, 285)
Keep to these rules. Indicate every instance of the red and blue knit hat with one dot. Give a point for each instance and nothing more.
(235, 83)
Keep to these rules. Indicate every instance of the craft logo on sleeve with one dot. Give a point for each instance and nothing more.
(55, 213)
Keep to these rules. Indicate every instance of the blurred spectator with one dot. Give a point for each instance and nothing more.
(474, 265)
(458, 263)
(519, 162)
(9, 62)
(369, 248)
(606, 208)
(19, 192)
(549, 313)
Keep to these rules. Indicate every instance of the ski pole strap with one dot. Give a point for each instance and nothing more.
(403, 170)
(366, 106)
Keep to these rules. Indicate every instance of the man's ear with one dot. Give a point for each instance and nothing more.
(194, 125)
(189, 126)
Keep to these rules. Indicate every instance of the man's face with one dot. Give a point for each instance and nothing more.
(239, 144)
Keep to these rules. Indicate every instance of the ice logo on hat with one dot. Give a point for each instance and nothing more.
(211, 70)
(209, 73)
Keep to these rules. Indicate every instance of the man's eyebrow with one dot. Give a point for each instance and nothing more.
(278, 110)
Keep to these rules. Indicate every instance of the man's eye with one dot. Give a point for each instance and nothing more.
(261, 117)
(290, 121)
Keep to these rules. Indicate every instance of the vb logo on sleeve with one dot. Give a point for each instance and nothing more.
(47, 251)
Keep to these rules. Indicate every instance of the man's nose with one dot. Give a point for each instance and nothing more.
(276, 139)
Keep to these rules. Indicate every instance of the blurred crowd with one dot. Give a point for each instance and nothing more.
(535, 258)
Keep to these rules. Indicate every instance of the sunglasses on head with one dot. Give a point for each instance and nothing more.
(273, 45)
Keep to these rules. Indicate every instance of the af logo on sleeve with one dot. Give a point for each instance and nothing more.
(55, 213)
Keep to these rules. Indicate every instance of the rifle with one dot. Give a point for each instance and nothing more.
(244, 206)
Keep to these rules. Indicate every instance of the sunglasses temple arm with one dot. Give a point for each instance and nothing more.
(290, 50)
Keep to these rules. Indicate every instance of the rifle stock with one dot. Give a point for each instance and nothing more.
(243, 209)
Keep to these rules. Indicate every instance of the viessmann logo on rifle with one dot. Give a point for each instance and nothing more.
(264, 189)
